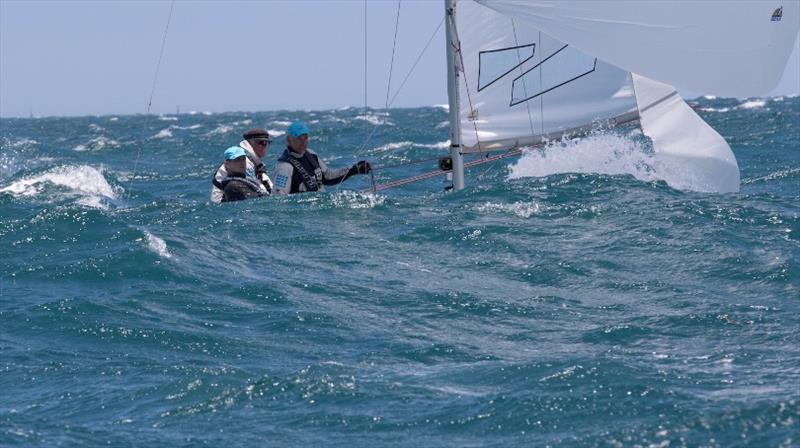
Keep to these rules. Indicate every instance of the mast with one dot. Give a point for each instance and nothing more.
(451, 40)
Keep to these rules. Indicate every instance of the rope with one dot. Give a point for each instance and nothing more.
(417, 61)
(394, 46)
(366, 122)
(397, 92)
(152, 92)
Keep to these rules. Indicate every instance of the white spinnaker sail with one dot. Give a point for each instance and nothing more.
(521, 86)
(688, 151)
(736, 48)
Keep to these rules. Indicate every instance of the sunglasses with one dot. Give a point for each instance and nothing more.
(262, 142)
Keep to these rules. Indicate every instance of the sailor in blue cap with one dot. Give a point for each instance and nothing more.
(300, 169)
(255, 145)
(236, 185)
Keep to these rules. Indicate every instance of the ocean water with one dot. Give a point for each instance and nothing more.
(575, 297)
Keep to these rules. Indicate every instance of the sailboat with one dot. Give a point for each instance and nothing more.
(521, 73)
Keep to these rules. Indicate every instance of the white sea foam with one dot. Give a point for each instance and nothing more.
(82, 180)
(443, 124)
(246, 122)
(521, 209)
(283, 123)
(164, 133)
(276, 133)
(378, 119)
(353, 199)
(96, 127)
(167, 118)
(24, 141)
(752, 104)
(97, 144)
(157, 245)
(713, 109)
(442, 106)
(194, 126)
(600, 154)
(113, 119)
(221, 129)
(440, 145)
(709, 97)
(393, 146)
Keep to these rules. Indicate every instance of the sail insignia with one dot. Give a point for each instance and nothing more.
(777, 15)
(495, 64)
(563, 66)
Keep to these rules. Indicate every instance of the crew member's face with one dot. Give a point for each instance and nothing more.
(260, 146)
(236, 166)
(299, 144)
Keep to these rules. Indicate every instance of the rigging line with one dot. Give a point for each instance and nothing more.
(366, 123)
(422, 53)
(402, 84)
(394, 46)
(524, 84)
(152, 91)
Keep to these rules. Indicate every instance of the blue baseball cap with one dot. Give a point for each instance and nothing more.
(297, 129)
(234, 152)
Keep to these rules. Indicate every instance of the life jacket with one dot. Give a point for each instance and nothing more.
(306, 171)
(236, 188)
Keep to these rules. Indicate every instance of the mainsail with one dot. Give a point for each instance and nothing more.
(536, 70)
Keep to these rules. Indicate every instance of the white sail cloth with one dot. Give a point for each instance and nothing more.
(724, 48)
(519, 86)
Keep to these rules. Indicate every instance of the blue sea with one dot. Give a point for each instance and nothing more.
(574, 297)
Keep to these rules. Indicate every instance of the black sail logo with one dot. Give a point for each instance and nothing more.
(777, 15)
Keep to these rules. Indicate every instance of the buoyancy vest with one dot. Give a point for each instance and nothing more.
(306, 171)
(236, 188)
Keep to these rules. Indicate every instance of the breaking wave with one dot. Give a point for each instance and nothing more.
(84, 181)
(608, 154)
(97, 144)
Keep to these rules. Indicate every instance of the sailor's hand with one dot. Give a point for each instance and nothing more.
(362, 167)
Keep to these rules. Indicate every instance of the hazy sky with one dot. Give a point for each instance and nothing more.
(99, 57)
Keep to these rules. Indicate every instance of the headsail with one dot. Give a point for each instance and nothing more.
(723, 48)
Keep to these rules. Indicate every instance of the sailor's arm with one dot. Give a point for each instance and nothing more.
(333, 177)
(283, 178)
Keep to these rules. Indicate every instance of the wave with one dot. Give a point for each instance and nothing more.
(164, 133)
(166, 118)
(97, 144)
(781, 174)
(609, 154)
(712, 109)
(82, 180)
(409, 144)
(521, 209)
(194, 126)
(157, 245)
(393, 146)
(220, 129)
(283, 123)
(377, 119)
(275, 133)
(752, 104)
